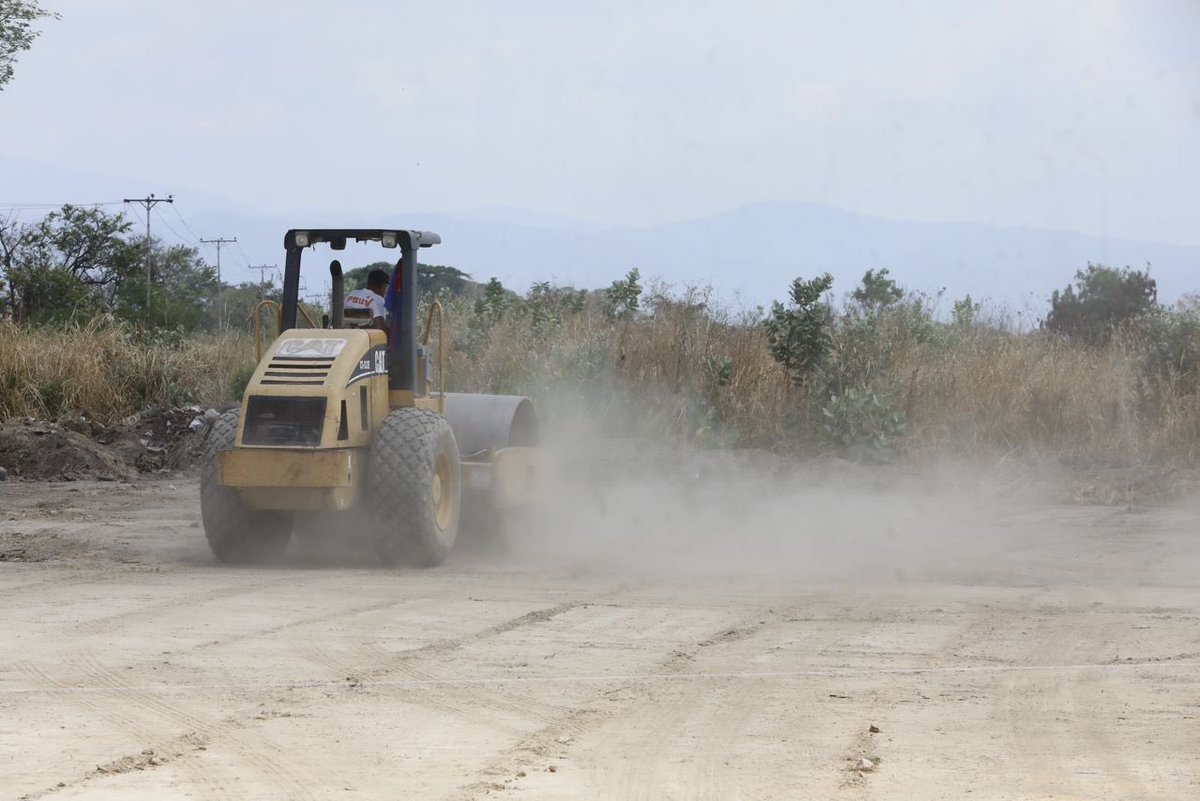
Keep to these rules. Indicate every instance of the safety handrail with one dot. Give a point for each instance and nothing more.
(441, 315)
(308, 319)
(258, 341)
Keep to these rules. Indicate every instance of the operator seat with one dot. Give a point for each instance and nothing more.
(356, 318)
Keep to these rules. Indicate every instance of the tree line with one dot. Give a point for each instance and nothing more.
(80, 262)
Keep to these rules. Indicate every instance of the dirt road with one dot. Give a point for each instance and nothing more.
(1042, 653)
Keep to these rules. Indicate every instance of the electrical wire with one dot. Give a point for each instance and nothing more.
(175, 208)
(242, 255)
(55, 206)
(163, 221)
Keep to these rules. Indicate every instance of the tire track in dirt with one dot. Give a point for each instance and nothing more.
(1029, 700)
(148, 758)
(676, 710)
(369, 663)
(721, 715)
(104, 707)
(715, 721)
(466, 700)
(257, 753)
(311, 620)
(377, 670)
(49, 582)
(632, 696)
(154, 610)
(967, 628)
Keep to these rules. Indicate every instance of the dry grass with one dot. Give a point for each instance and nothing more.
(1021, 392)
(680, 373)
(105, 370)
(971, 391)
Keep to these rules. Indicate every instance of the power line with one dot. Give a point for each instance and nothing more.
(185, 222)
(32, 206)
(220, 288)
(262, 275)
(241, 254)
(245, 258)
(150, 201)
(174, 230)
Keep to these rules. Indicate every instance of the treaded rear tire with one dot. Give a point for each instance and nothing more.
(236, 533)
(413, 457)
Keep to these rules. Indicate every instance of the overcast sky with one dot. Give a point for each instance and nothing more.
(1078, 115)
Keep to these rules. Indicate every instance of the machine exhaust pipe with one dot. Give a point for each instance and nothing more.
(339, 293)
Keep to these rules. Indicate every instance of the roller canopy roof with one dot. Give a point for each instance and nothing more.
(303, 237)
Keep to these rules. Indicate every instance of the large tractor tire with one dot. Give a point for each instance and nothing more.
(414, 488)
(236, 533)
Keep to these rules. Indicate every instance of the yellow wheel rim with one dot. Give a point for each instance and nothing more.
(443, 492)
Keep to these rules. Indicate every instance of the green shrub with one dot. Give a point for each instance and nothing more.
(799, 335)
(1101, 300)
(861, 420)
(877, 290)
(239, 380)
(622, 298)
(1167, 344)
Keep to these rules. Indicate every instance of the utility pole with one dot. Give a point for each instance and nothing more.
(150, 201)
(262, 277)
(220, 287)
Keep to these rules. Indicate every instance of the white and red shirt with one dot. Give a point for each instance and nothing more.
(365, 300)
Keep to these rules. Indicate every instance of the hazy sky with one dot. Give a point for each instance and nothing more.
(1080, 115)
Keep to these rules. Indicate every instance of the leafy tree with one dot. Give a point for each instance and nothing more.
(799, 335)
(965, 311)
(1167, 343)
(79, 261)
(438, 278)
(431, 278)
(241, 300)
(357, 278)
(17, 32)
(622, 297)
(71, 261)
(877, 290)
(495, 301)
(1101, 300)
(546, 306)
(183, 291)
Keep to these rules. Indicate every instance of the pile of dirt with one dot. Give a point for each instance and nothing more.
(153, 441)
(41, 451)
(158, 440)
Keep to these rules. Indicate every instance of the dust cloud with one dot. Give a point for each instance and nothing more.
(655, 508)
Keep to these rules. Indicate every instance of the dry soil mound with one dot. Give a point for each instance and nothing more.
(153, 441)
(46, 451)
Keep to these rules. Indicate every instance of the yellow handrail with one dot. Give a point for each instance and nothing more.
(441, 315)
(258, 343)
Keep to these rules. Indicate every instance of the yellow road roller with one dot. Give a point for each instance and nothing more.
(347, 419)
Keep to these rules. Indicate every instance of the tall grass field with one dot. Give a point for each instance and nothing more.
(897, 382)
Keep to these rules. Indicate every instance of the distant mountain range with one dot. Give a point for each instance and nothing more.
(749, 254)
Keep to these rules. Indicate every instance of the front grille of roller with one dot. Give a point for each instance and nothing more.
(297, 372)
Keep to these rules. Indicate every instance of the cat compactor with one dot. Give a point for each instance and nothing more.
(347, 419)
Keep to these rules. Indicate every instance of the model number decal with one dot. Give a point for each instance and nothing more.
(373, 362)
